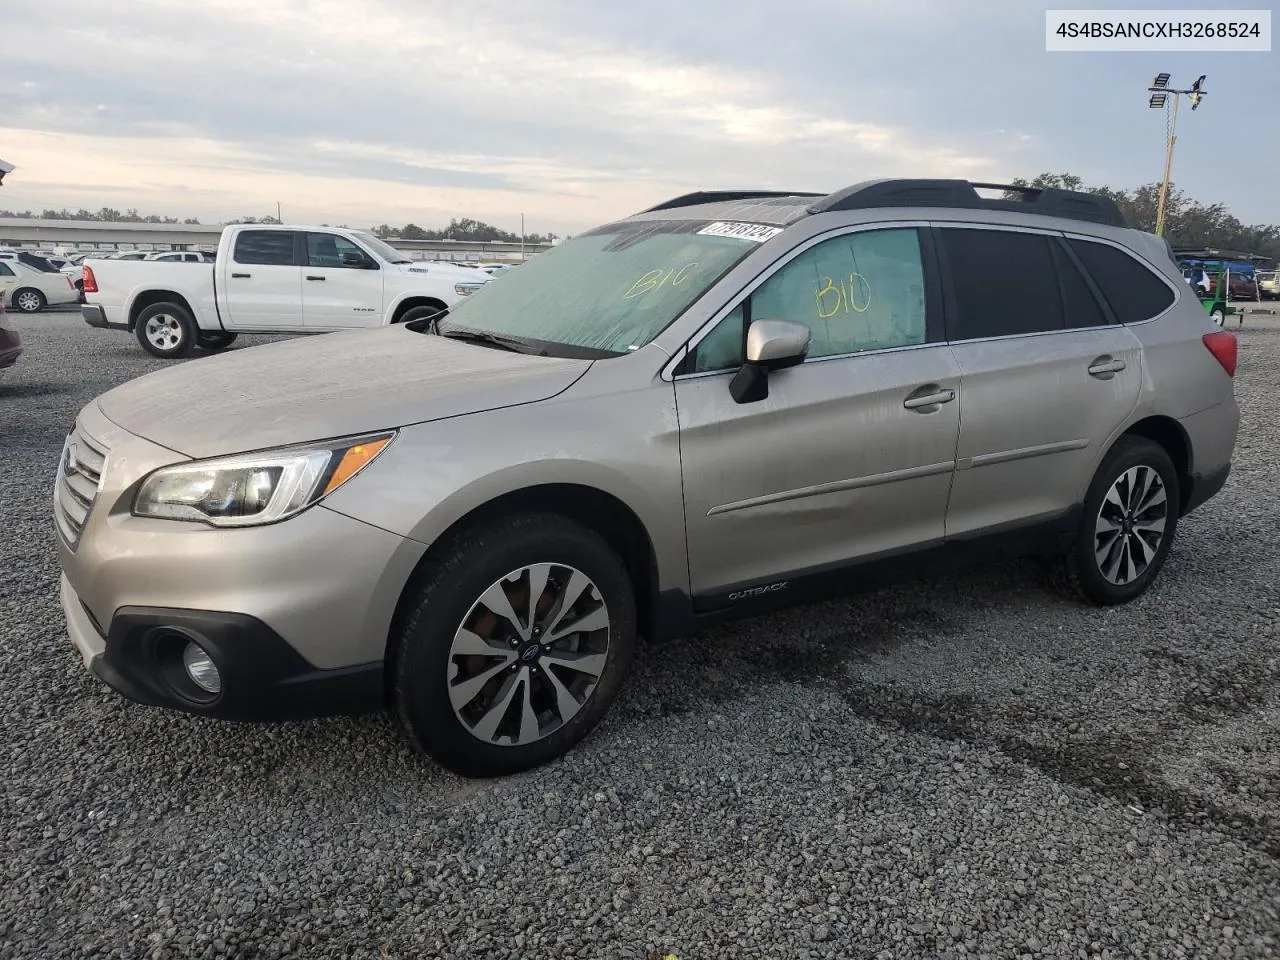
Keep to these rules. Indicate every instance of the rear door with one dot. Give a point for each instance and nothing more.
(341, 285)
(262, 281)
(1046, 376)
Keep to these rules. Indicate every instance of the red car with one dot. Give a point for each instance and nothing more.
(10, 342)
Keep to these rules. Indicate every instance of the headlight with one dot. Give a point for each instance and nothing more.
(466, 289)
(255, 488)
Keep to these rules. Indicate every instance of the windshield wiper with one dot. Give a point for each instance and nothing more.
(486, 339)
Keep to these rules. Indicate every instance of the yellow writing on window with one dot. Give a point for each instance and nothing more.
(847, 296)
(657, 279)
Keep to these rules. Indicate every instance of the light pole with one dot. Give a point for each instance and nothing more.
(522, 238)
(1160, 92)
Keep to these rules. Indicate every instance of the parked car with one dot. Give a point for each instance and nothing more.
(1269, 284)
(180, 256)
(10, 342)
(722, 404)
(35, 289)
(270, 279)
(35, 261)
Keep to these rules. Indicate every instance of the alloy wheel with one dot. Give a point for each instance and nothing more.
(1130, 525)
(528, 655)
(164, 332)
(28, 302)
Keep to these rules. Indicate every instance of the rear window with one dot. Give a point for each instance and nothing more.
(1134, 292)
(269, 247)
(1004, 283)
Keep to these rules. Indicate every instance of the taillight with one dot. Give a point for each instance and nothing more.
(90, 281)
(1222, 344)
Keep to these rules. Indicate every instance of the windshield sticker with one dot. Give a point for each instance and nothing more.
(755, 232)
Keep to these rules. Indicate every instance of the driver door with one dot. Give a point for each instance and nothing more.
(842, 460)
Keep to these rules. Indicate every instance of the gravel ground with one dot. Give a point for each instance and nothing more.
(969, 767)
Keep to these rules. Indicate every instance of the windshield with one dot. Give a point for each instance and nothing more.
(382, 249)
(613, 289)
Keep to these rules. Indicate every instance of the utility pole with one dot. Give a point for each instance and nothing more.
(522, 238)
(278, 219)
(1160, 92)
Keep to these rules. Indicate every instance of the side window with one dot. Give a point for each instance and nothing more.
(721, 349)
(861, 291)
(1004, 283)
(327, 250)
(1081, 306)
(5, 271)
(270, 247)
(1134, 292)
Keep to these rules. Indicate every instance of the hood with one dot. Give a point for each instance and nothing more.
(446, 270)
(327, 385)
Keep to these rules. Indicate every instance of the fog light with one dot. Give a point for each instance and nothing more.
(201, 669)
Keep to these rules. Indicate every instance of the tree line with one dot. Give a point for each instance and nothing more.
(1188, 222)
(105, 215)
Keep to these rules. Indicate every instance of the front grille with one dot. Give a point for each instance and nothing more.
(76, 489)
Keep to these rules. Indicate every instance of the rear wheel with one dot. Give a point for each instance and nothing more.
(215, 340)
(29, 300)
(516, 645)
(166, 330)
(1218, 315)
(1128, 524)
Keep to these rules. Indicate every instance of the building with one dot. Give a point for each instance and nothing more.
(67, 237)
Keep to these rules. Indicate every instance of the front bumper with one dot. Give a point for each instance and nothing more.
(96, 316)
(263, 678)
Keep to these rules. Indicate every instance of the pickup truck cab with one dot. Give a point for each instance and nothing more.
(269, 278)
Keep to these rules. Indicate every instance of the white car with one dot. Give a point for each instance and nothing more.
(34, 289)
(179, 256)
(269, 278)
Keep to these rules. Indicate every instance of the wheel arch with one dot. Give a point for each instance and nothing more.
(602, 512)
(149, 298)
(1170, 435)
(408, 303)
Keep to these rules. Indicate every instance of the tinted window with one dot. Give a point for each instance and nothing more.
(1004, 283)
(1132, 290)
(722, 348)
(327, 249)
(265, 246)
(1082, 307)
(5, 271)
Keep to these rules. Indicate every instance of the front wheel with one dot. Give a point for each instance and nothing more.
(515, 645)
(215, 340)
(417, 313)
(29, 300)
(1128, 524)
(166, 330)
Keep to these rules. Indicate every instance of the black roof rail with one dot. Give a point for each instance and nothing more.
(961, 194)
(725, 196)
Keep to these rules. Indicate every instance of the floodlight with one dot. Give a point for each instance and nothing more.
(1161, 80)
(1157, 100)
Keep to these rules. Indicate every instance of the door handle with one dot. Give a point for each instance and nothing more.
(916, 401)
(315, 278)
(240, 276)
(1105, 367)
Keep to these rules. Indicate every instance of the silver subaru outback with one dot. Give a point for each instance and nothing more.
(727, 402)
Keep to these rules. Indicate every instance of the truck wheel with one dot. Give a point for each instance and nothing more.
(166, 330)
(1218, 315)
(29, 300)
(216, 340)
(515, 645)
(417, 313)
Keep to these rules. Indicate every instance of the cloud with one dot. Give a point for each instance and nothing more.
(569, 112)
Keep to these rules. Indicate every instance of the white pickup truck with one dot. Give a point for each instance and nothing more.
(268, 279)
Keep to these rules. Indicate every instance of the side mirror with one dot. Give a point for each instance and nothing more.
(771, 345)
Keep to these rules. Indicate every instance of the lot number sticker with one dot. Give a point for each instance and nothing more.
(755, 232)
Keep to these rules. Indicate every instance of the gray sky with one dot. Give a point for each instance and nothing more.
(577, 111)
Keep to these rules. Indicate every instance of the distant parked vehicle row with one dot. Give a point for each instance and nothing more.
(270, 279)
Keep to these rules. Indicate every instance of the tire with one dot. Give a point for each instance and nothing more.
(1094, 568)
(166, 330)
(437, 709)
(417, 313)
(215, 340)
(1219, 316)
(29, 300)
